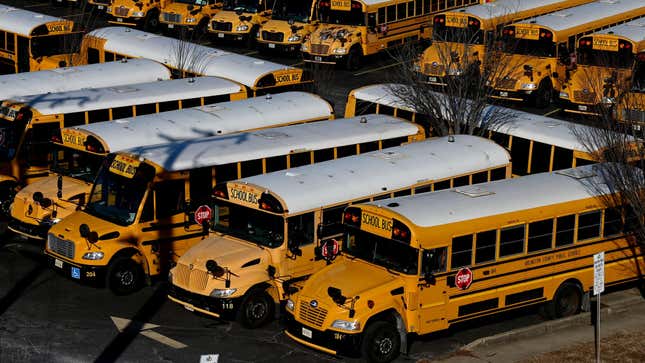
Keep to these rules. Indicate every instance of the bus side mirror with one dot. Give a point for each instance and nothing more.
(294, 247)
(59, 186)
(555, 75)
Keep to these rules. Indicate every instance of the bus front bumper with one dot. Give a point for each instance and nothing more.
(118, 20)
(578, 108)
(280, 47)
(518, 96)
(91, 275)
(323, 59)
(216, 307)
(29, 230)
(328, 341)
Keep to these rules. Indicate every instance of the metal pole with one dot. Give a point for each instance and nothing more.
(597, 330)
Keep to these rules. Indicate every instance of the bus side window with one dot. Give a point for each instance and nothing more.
(500, 138)
(540, 157)
(540, 235)
(613, 223)
(462, 251)
(276, 163)
(511, 241)
(323, 155)
(200, 186)
(169, 198)
(562, 158)
(371, 22)
(485, 246)
(3, 44)
(301, 229)
(332, 219)
(588, 225)
(93, 56)
(434, 260)
(520, 155)
(564, 230)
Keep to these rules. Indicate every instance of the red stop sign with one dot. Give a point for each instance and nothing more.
(464, 278)
(203, 213)
(326, 247)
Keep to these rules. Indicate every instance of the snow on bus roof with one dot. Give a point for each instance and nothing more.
(78, 77)
(127, 95)
(23, 22)
(582, 14)
(220, 150)
(355, 177)
(633, 30)
(209, 120)
(502, 8)
(503, 196)
(174, 52)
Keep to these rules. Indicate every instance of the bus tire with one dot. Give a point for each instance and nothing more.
(381, 342)
(151, 21)
(257, 308)
(566, 301)
(250, 41)
(124, 276)
(8, 191)
(544, 94)
(353, 61)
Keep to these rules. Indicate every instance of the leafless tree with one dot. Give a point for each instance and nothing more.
(189, 56)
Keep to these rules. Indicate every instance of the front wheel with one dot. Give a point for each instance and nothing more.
(381, 342)
(151, 21)
(124, 276)
(257, 309)
(353, 61)
(544, 95)
(566, 301)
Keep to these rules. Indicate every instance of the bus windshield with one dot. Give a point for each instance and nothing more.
(534, 48)
(292, 10)
(75, 163)
(49, 45)
(116, 198)
(467, 35)
(381, 251)
(329, 16)
(246, 6)
(638, 85)
(249, 224)
(605, 58)
(9, 139)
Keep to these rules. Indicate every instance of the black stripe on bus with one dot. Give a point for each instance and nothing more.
(160, 227)
(496, 311)
(523, 296)
(172, 239)
(479, 306)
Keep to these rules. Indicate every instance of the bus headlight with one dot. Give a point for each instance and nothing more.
(170, 277)
(138, 14)
(564, 95)
(455, 72)
(190, 20)
(346, 325)
(528, 86)
(94, 255)
(304, 47)
(290, 305)
(48, 220)
(222, 292)
(340, 50)
(109, 9)
(608, 100)
(242, 28)
(294, 38)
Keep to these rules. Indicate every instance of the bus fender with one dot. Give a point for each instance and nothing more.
(136, 256)
(392, 316)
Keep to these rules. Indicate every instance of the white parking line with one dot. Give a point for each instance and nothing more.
(297, 64)
(36, 5)
(552, 112)
(378, 69)
(251, 52)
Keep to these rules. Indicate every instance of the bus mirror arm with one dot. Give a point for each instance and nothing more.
(430, 278)
(555, 75)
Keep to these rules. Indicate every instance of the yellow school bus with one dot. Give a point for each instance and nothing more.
(460, 38)
(31, 41)
(142, 14)
(150, 204)
(192, 15)
(631, 110)
(290, 223)
(347, 30)
(419, 264)
(291, 22)
(539, 51)
(604, 64)
(240, 20)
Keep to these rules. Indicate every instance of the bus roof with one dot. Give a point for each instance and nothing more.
(23, 22)
(219, 150)
(126, 95)
(197, 58)
(506, 8)
(527, 125)
(632, 30)
(216, 119)
(77, 77)
(335, 181)
(498, 197)
(582, 14)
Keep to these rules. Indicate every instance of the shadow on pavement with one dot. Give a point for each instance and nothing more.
(14, 294)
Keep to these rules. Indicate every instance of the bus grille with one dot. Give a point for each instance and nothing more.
(434, 70)
(586, 97)
(314, 316)
(172, 18)
(319, 48)
(61, 246)
(634, 115)
(222, 25)
(195, 279)
(272, 37)
(506, 83)
(121, 11)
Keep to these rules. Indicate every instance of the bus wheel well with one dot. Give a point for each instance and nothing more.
(567, 300)
(8, 189)
(393, 317)
(131, 253)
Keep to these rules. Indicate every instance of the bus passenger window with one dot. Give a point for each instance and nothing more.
(444, 184)
(540, 157)
(562, 158)
(583, 162)
(386, 110)
(343, 151)
(300, 159)
(371, 22)
(110, 57)
(121, 112)
(461, 181)
(401, 11)
(276, 163)
(424, 189)
(391, 13)
(92, 56)
(511, 241)
(588, 225)
(332, 219)
(500, 138)
(540, 235)
(410, 8)
(485, 246)
(322, 155)
(74, 119)
(480, 177)
(406, 115)
(251, 167)
(564, 230)
(146, 109)
(631, 220)
(98, 115)
(498, 174)
(301, 229)
(426, 7)
(520, 155)
(226, 172)
(381, 15)
(3, 44)
(462, 251)
(169, 198)
(369, 146)
(364, 108)
(393, 142)
(613, 222)
(434, 260)
(168, 106)
(191, 102)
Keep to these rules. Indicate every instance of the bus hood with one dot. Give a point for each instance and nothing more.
(68, 228)
(511, 69)
(435, 59)
(27, 210)
(352, 277)
(52, 62)
(282, 26)
(591, 84)
(333, 35)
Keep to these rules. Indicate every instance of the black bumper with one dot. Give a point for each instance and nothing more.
(224, 308)
(341, 343)
(280, 47)
(518, 96)
(578, 108)
(29, 230)
(229, 37)
(324, 59)
(91, 275)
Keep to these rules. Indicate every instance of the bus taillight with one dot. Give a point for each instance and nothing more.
(56, 137)
(400, 232)
(270, 203)
(220, 191)
(352, 216)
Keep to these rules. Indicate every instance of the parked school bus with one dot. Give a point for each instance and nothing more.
(192, 15)
(240, 20)
(461, 37)
(147, 204)
(536, 143)
(31, 121)
(99, 6)
(539, 50)
(137, 13)
(291, 22)
(32, 41)
(289, 223)
(185, 59)
(77, 152)
(603, 70)
(419, 264)
(631, 109)
(347, 30)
